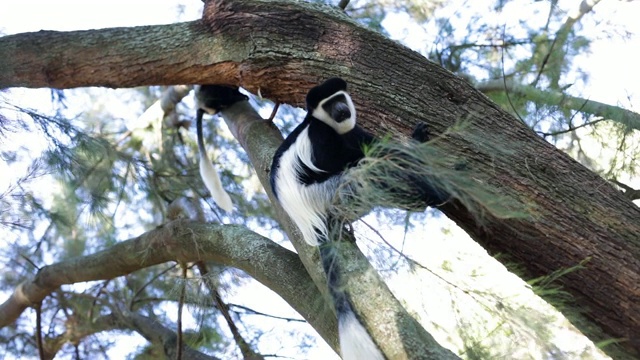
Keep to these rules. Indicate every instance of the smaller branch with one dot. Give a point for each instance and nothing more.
(156, 333)
(185, 241)
(245, 348)
(562, 35)
(629, 192)
(180, 307)
(504, 80)
(570, 129)
(555, 98)
(274, 111)
(156, 277)
(30, 261)
(544, 62)
(95, 300)
(250, 311)
(162, 108)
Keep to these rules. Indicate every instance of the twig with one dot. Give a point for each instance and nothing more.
(245, 348)
(30, 261)
(95, 300)
(544, 63)
(38, 308)
(133, 299)
(504, 78)
(180, 306)
(274, 111)
(250, 311)
(570, 129)
(343, 4)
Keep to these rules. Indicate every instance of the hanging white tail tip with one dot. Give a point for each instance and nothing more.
(212, 181)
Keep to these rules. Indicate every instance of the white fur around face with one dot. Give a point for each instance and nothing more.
(340, 127)
(307, 205)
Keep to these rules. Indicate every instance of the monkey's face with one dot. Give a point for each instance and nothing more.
(330, 103)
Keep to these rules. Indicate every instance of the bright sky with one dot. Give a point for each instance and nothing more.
(614, 73)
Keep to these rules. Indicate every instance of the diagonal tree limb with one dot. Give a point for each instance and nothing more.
(282, 48)
(625, 117)
(151, 330)
(180, 240)
(245, 348)
(397, 333)
(157, 333)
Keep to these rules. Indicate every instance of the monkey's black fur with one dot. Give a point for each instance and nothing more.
(305, 175)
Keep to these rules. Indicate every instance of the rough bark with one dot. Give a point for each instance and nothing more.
(282, 48)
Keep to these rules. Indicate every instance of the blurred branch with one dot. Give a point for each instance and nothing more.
(570, 129)
(163, 108)
(628, 118)
(183, 288)
(156, 333)
(230, 245)
(74, 334)
(250, 311)
(562, 35)
(629, 192)
(575, 15)
(150, 329)
(245, 348)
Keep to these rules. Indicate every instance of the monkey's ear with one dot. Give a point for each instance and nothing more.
(215, 98)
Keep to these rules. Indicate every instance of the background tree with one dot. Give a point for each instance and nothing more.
(114, 182)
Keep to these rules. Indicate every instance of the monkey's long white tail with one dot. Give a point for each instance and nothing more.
(355, 341)
(208, 172)
(211, 180)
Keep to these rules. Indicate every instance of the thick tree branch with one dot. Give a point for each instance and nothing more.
(231, 245)
(625, 117)
(282, 48)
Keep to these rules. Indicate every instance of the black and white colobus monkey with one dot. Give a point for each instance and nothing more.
(211, 99)
(305, 175)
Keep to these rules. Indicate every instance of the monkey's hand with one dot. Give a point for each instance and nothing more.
(421, 132)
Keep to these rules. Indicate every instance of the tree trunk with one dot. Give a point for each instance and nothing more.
(282, 48)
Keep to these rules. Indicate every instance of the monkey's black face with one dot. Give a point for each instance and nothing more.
(330, 103)
(338, 108)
